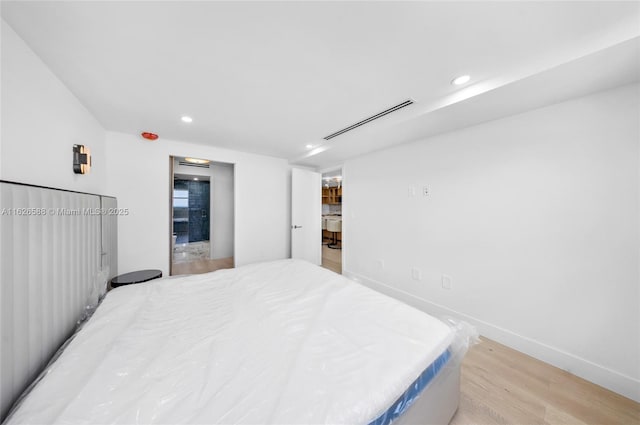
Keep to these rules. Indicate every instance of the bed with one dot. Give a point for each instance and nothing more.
(278, 342)
(282, 342)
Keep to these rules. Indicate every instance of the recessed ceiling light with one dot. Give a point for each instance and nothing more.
(460, 80)
(195, 178)
(197, 160)
(309, 146)
(186, 119)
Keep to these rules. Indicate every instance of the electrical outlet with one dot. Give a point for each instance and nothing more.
(380, 264)
(425, 191)
(446, 281)
(412, 191)
(416, 274)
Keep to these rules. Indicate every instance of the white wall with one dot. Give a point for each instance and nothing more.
(41, 121)
(139, 177)
(536, 219)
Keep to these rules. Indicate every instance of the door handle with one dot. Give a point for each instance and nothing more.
(296, 227)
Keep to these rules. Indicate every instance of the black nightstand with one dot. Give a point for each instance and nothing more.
(135, 277)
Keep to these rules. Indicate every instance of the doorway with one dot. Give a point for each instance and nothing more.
(332, 220)
(202, 216)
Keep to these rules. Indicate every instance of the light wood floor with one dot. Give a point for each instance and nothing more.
(332, 259)
(201, 266)
(503, 386)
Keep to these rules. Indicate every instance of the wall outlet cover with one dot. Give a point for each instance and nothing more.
(416, 274)
(446, 281)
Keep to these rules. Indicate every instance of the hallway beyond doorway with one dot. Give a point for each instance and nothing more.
(332, 259)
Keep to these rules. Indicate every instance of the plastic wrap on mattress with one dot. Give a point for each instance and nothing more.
(465, 336)
(413, 392)
(279, 342)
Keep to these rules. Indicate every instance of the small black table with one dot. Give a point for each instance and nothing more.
(135, 277)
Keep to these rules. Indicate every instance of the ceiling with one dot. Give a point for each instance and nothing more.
(274, 77)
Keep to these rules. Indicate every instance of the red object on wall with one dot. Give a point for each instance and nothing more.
(149, 136)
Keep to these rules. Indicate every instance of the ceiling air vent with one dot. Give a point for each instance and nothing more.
(371, 118)
(191, 164)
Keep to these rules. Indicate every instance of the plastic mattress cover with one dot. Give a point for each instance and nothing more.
(278, 342)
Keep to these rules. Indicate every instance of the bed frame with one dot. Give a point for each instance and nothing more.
(438, 403)
(58, 250)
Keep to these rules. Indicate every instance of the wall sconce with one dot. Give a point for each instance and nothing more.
(81, 159)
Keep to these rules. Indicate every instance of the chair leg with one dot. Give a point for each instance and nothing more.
(334, 245)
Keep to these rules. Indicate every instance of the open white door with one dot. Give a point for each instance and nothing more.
(306, 215)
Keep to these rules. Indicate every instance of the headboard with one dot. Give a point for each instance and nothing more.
(58, 249)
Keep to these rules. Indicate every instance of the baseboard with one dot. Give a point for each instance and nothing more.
(600, 375)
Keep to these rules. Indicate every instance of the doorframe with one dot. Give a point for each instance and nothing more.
(340, 167)
(171, 188)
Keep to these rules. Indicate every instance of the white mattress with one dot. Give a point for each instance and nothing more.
(279, 342)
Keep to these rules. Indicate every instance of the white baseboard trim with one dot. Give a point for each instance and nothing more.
(600, 375)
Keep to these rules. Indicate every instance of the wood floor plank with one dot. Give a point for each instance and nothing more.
(500, 385)
(332, 259)
(201, 266)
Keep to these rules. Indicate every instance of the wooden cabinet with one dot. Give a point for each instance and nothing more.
(332, 195)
